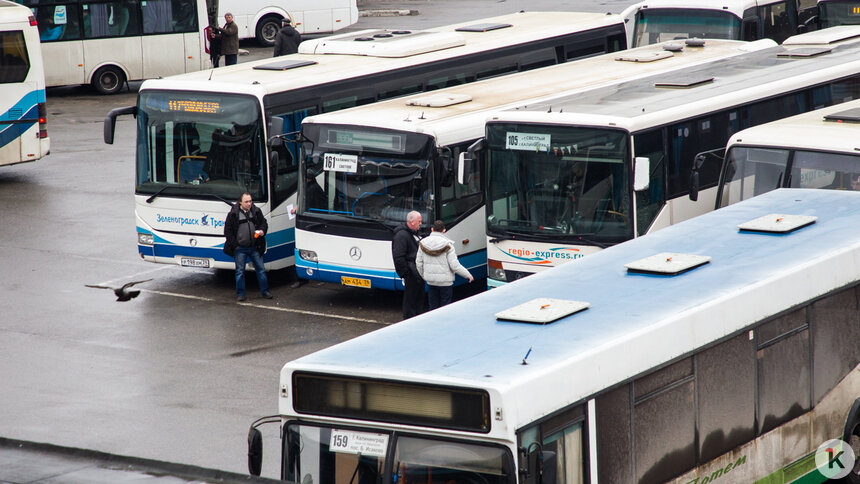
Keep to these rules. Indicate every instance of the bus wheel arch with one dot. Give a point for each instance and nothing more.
(267, 28)
(851, 435)
(108, 79)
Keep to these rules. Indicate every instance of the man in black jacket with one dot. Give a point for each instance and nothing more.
(245, 230)
(404, 247)
(287, 40)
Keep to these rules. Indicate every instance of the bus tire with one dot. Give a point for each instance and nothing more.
(852, 436)
(267, 29)
(108, 80)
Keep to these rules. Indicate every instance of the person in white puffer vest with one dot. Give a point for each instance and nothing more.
(437, 263)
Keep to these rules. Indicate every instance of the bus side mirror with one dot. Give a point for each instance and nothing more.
(276, 127)
(466, 163)
(541, 467)
(641, 173)
(255, 452)
(698, 161)
(110, 121)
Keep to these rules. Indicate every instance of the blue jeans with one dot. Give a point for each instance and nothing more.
(230, 59)
(241, 255)
(439, 296)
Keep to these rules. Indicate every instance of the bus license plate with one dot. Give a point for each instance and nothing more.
(354, 281)
(189, 262)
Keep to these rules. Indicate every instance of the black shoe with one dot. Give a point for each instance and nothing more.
(296, 284)
(267, 295)
(241, 298)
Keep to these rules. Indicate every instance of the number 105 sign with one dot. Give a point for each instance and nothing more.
(364, 443)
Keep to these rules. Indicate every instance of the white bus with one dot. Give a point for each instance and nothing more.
(570, 176)
(818, 149)
(363, 169)
(204, 138)
(106, 43)
(261, 20)
(661, 20)
(23, 123)
(630, 366)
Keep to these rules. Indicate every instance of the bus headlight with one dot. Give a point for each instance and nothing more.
(145, 239)
(308, 255)
(495, 271)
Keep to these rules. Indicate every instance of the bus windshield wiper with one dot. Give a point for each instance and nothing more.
(156, 194)
(217, 197)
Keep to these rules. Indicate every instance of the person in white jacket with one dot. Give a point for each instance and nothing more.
(437, 263)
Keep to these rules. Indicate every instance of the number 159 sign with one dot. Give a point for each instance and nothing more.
(364, 443)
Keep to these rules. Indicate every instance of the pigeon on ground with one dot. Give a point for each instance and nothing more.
(122, 293)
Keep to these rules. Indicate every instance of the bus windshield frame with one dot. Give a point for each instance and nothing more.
(365, 173)
(753, 170)
(541, 183)
(200, 145)
(365, 455)
(655, 25)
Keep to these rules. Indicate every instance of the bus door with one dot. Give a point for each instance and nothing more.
(172, 42)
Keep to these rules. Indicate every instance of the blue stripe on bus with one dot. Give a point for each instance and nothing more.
(29, 109)
(476, 263)
(281, 245)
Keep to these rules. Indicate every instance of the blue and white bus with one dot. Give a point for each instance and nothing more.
(721, 349)
(617, 163)
(204, 138)
(23, 123)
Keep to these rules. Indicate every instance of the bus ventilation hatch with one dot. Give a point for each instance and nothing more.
(439, 100)
(284, 65)
(804, 52)
(847, 116)
(777, 223)
(482, 27)
(542, 310)
(667, 264)
(645, 56)
(685, 82)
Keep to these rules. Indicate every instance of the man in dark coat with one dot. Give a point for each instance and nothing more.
(229, 34)
(404, 247)
(288, 39)
(245, 229)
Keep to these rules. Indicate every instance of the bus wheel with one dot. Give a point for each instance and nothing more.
(852, 436)
(267, 29)
(108, 80)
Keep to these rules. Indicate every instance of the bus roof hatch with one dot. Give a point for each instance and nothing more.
(383, 43)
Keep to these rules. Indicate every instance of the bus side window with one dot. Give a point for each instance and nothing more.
(562, 435)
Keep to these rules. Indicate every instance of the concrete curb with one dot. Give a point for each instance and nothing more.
(386, 13)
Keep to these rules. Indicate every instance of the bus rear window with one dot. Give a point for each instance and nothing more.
(14, 61)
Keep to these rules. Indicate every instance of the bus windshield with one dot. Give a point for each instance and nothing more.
(366, 173)
(831, 14)
(751, 171)
(660, 25)
(316, 454)
(200, 145)
(559, 182)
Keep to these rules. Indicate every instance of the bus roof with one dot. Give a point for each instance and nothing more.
(635, 322)
(321, 68)
(810, 131)
(643, 103)
(736, 7)
(476, 100)
(13, 11)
